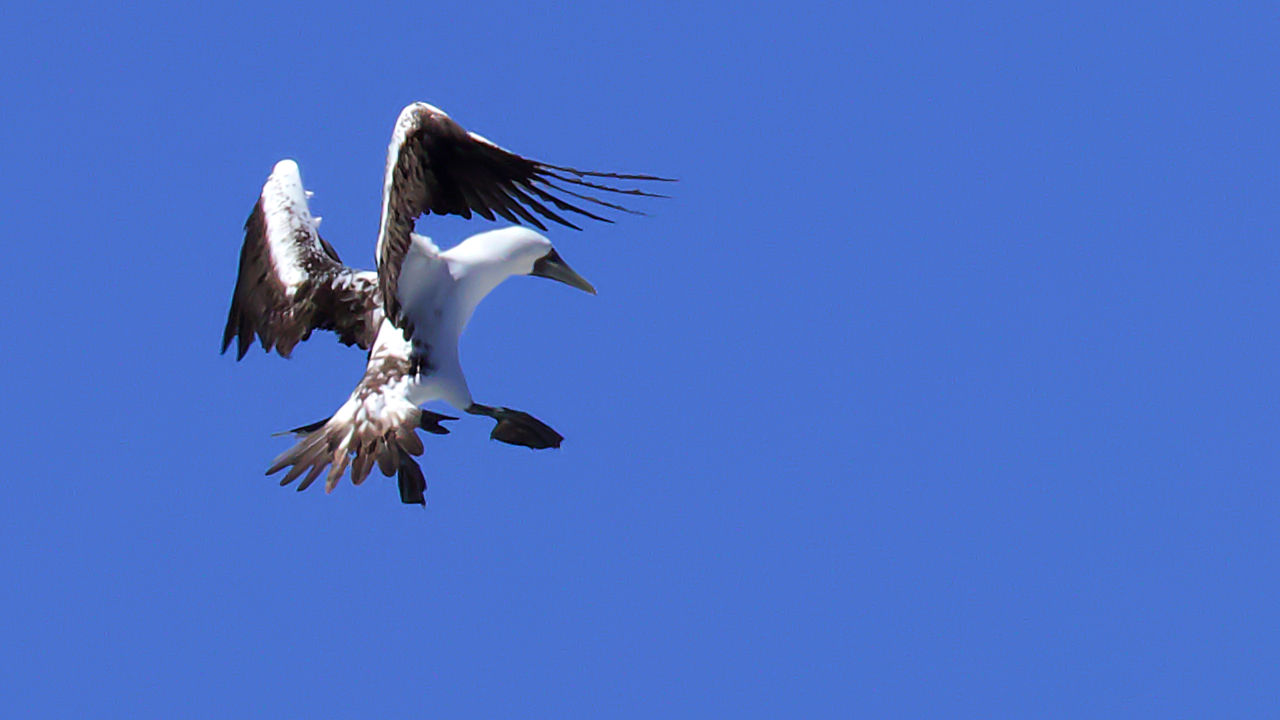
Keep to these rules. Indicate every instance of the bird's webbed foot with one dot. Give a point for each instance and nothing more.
(518, 428)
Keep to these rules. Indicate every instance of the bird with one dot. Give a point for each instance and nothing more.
(409, 313)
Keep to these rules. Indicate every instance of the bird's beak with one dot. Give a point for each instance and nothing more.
(551, 266)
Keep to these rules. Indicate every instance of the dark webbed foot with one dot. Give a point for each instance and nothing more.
(518, 428)
(413, 485)
(430, 422)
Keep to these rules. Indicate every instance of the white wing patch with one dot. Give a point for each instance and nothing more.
(284, 203)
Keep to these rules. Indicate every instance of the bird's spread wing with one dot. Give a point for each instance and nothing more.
(435, 166)
(378, 423)
(291, 281)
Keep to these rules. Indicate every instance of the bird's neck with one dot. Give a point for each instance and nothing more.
(474, 281)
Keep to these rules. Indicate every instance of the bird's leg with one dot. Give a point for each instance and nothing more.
(518, 428)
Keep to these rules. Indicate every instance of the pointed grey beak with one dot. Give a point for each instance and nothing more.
(552, 266)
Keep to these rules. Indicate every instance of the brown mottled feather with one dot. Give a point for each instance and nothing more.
(357, 437)
(331, 296)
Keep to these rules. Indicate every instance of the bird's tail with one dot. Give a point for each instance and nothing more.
(341, 441)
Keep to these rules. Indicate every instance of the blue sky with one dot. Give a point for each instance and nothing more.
(944, 386)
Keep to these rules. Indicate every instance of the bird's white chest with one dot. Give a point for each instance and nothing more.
(430, 296)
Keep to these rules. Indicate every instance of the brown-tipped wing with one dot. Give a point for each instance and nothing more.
(291, 281)
(378, 424)
(435, 166)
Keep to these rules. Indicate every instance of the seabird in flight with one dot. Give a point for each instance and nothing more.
(409, 313)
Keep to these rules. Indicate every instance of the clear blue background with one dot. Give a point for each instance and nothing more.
(945, 385)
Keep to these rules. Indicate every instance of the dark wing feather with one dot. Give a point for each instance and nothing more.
(291, 281)
(434, 166)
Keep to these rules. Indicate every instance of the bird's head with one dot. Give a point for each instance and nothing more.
(521, 251)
